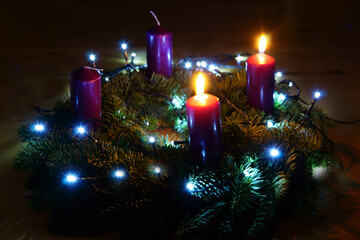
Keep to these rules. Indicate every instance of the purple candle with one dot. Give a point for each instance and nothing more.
(204, 123)
(159, 48)
(85, 90)
(260, 70)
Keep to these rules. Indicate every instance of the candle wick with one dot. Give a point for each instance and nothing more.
(97, 69)
(158, 23)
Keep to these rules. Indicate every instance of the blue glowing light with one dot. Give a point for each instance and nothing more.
(270, 124)
(190, 186)
(290, 84)
(239, 58)
(92, 57)
(317, 94)
(123, 46)
(274, 152)
(80, 130)
(71, 178)
(39, 127)
(282, 97)
(198, 64)
(133, 54)
(120, 173)
(278, 74)
(188, 65)
(107, 79)
(157, 169)
(212, 67)
(203, 64)
(151, 139)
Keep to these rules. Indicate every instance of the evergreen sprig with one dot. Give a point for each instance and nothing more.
(240, 198)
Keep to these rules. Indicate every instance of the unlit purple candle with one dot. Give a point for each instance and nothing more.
(159, 49)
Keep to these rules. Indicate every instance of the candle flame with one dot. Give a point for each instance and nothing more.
(262, 44)
(200, 85)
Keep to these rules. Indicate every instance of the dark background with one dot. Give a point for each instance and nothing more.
(315, 43)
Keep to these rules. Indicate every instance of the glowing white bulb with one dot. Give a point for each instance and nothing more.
(92, 57)
(39, 127)
(71, 178)
(212, 67)
(274, 152)
(317, 94)
(274, 96)
(270, 124)
(198, 64)
(174, 101)
(133, 54)
(123, 46)
(278, 74)
(80, 130)
(120, 173)
(172, 143)
(107, 79)
(190, 186)
(203, 64)
(239, 58)
(290, 84)
(151, 139)
(188, 65)
(282, 97)
(157, 169)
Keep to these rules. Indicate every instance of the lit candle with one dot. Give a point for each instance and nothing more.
(159, 50)
(203, 115)
(260, 69)
(85, 90)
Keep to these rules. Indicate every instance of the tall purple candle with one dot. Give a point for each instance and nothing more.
(85, 90)
(159, 49)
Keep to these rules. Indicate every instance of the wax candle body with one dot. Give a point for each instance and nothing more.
(205, 130)
(159, 49)
(85, 90)
(260, 69)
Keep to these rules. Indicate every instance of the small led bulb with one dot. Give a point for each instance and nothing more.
(107, 79)
(290, 84)
(188, 65)
(133, 54)
(190, 186)
(317, 94)
(274, 152)
(212, 67)
(123, 46)
(80, 130)
(92, 57)
(270, 124)
(157, 169)
(282, 97)
(70, 178)
(151, 139)
(203, 64)
(39, 127)
(278, 74)
(120, 174)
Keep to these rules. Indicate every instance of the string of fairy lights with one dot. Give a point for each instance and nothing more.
(190, 63)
